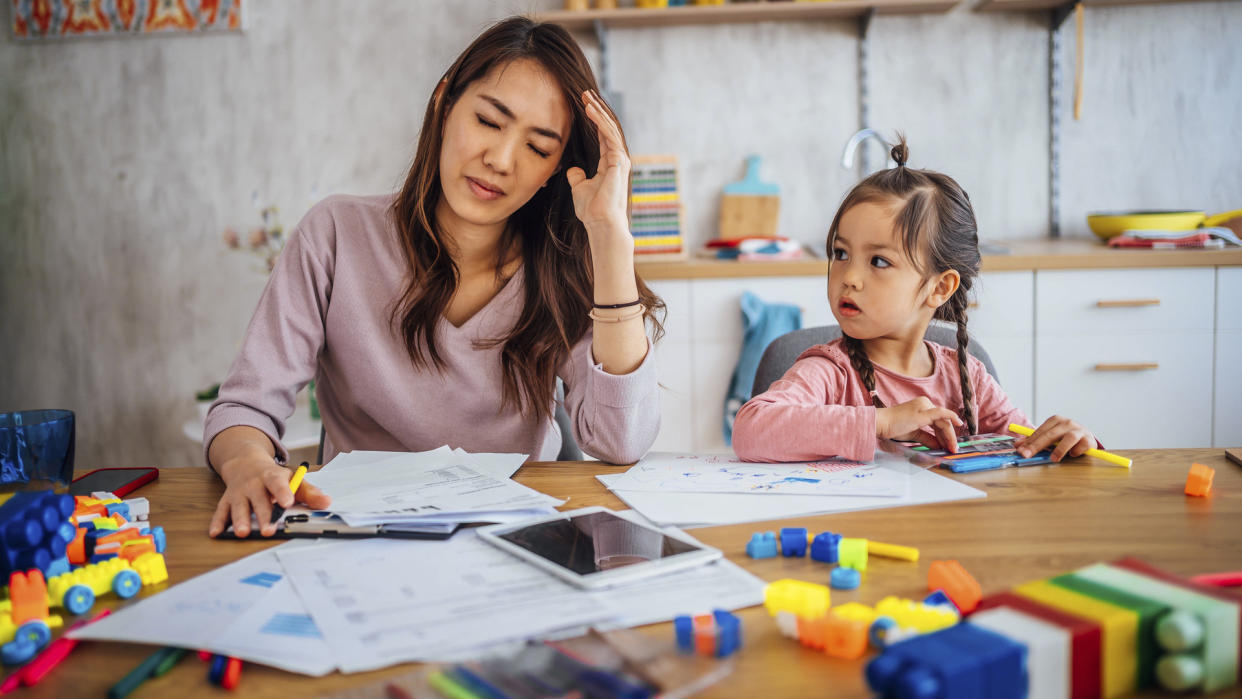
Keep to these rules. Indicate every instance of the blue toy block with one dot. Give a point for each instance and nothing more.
(844, 578)
(939, 599)
(761, 545)
(118, 507)
(793, 541)
(1003, 659)
(31, 530)
(101, 557)
(728, 632)
(161, 539)
(925, 667)
(60, 566)
(824, 547)
(683, 626)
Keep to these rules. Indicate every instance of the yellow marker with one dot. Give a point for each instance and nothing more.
(1097, 453)
(297, 479)
(904, 553)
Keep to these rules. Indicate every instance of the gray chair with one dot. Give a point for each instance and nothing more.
(784, 351)
(569, 447)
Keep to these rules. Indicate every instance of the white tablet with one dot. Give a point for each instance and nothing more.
(595, 547)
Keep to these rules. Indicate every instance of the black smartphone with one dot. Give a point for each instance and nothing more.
(118, 481)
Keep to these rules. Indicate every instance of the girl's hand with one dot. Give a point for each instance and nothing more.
(1070, 438)
(907, 420)
(601, 202)
(251, 484)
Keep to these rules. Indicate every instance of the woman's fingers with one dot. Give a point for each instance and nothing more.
(575, 176)
(239, 512)
(947, 435)
(276, 482)
(313, 497)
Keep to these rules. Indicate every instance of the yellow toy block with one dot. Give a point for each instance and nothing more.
(855, 611)
(852, 553)
(909, 614)
(151, 568)
(904, 553)
(104, 523)
(796, 596)
(1118, 627)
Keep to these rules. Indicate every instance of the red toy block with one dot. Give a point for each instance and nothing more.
(1219, 593)
(131, 550)
(28, 594)
(1199, 480)
(704, 635)
(120, 536)
(1084, 639)
(951, 577)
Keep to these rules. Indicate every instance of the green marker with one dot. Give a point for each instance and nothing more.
(139, 674)
(172, 659)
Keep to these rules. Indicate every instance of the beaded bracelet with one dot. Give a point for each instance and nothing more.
(636, 313)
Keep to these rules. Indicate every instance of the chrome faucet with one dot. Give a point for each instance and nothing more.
(847, 157)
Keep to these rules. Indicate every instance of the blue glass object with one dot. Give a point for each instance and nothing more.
(36, 445)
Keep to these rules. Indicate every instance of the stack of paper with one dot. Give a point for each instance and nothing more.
(688, 490)
(314, 607)
(426, 491)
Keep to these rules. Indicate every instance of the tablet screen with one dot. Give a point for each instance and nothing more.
(596, 541)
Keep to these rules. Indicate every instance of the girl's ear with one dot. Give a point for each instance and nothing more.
(943, 288)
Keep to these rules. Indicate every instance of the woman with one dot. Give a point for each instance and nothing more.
(445, 314)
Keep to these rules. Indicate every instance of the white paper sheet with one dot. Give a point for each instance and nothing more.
(887, 476)
(710, 509)
(405, 489)
(380, 602)
(500, 466)
(225, 611)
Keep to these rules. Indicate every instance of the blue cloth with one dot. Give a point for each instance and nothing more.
(763, 323)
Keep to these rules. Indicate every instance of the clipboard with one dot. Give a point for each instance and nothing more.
(979, 452)
(317, 525)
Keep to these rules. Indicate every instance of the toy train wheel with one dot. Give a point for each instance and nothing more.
(17, 651)
(78, 599)
(126, 583)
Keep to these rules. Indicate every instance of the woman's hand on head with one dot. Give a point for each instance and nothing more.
(251, 485)
(907, 421)
(601, 202)
(1064, 436)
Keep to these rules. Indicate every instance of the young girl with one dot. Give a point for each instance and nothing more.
(903, 251)
(446, 313)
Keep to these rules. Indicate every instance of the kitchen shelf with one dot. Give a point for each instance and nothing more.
(739, 12)
(1018, 5)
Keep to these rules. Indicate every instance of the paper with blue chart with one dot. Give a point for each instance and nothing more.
(887, 476)
(246, 609)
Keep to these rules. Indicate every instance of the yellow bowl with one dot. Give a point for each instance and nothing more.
(1107, 225)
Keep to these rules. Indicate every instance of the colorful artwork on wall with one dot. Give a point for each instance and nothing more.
(37, 19)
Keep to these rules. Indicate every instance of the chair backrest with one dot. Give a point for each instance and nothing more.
(784, 350)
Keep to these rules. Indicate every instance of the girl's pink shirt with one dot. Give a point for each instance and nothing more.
(820, 408)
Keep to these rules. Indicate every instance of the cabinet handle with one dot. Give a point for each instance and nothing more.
(1131, 366)
(1127, 303)
(973, 304)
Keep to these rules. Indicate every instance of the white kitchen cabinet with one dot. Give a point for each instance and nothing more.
(1227, 387)
(1002, 319)
(1127, 353)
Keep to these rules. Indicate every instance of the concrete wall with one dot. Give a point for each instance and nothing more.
(121, 160)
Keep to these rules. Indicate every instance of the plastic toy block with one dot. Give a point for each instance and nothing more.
(112, 548)
(884, 632)
(1140, 566)
(1047, 649)
(917, 616)
(844, 579)
(160, 538)
(958, 584)
(118, 508)
(139, 509)
(762, 545)
(939, 599)
(28, 596)
(793, 541)
(786, 623)
(101, 524)
(1003, 659)
(76, 550)
(728, 632)
(925, 667)
(704, 635)
(1220, 619)
(1199, 480)
(1148, 610)
(60, 566)
(845, 637)
(101, 557)
(131, 550)
(683, 630)
(1085, 639)
(151, 568)
(812, 633)
(1119, 631)
(30, 530)
(852, 553)
(120, 536)
(901, 553)
(824, 547)
(796, 596)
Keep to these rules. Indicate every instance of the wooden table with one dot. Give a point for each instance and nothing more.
(1035, 522)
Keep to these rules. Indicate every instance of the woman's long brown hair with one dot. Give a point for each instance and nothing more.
(553, 242)
(938, 233)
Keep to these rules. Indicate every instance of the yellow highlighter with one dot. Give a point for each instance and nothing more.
(294, 482)
(1097, 453)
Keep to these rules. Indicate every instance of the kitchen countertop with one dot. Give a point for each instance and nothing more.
(1025, 254)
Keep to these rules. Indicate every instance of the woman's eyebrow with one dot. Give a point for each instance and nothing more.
(504, 109)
